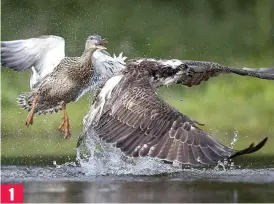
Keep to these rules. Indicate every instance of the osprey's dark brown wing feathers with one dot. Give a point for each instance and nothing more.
(191, 73)
(199, 71)
(142, 124)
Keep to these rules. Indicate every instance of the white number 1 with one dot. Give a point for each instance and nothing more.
(11, 190)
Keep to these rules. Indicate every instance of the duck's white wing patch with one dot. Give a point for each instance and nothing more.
(41, 54)
(120, 58)
(105, 66)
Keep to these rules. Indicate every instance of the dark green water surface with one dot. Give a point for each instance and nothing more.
(252, 182)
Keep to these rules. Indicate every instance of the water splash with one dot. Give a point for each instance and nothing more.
(99, 158)
(220, 166)
(225, 165)
(234, 140)
(56, 165)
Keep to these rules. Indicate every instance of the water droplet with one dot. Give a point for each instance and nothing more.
(235, 138)
(55, 164)
(220, 166)
(199, 160)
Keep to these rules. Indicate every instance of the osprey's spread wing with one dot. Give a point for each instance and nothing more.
(190, 73)
(138, 122)
(41, 54)
(261, 70)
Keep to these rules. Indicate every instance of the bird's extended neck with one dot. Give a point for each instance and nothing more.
(86, 56)
(89, 52)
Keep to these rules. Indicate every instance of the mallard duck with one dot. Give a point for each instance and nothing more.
(129, 114)
(44, 53)
(67, 82)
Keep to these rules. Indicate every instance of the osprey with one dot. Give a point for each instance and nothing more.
(57, 80)
(129, 114)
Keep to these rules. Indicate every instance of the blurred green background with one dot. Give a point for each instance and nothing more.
(237, 33)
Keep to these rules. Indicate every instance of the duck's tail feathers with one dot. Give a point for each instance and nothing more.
(25, 101)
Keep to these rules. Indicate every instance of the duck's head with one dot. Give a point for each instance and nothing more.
(95, 42)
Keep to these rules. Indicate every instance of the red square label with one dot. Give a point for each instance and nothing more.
(12, 193)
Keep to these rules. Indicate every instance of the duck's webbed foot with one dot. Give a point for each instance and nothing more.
(29, 120)
(64, 126)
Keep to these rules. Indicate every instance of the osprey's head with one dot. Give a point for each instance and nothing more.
(95, 41)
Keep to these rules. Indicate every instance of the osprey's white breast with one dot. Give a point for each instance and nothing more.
(96, 109)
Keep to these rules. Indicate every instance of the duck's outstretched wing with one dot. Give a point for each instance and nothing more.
(190, 73)
(41, 54)
(138, 122)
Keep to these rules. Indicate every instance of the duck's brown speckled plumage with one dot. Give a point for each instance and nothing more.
(69, 79)
(63, 85)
